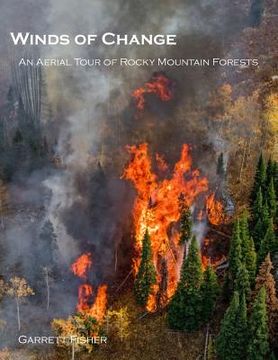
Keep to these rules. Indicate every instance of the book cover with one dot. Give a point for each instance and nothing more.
(138, 179)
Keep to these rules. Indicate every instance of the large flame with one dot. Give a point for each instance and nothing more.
(99, 307)
(215, 210)
(157, 208)
(160, 85)
(86, 305)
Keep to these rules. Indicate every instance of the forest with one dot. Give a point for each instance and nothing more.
(139, 208)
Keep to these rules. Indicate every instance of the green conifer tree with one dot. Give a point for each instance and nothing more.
(185, 221)
(242, 283)
(266, 279)
(270, 170)
(260, 179)
(209, 292)
(242, 325)
(261, 227)
(271, 199)
(220, 166)
(249, 255)
(257, 208)
(184, 308)
(256, 12)
(146, 276)
(231, 341)
(258, 347)
(235, 255)
(268, 243)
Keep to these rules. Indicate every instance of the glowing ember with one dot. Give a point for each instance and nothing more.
(214, 262)
(215, 210)
(157, 208)
(81, 266)
(161, 163)
(159, 85)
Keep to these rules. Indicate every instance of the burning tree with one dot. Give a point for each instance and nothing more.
(157, 208)
(85, 305)
(215, 210)
(18, 289)
(146, 276)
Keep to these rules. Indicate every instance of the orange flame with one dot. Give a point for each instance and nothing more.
(99, 307)
(85, 303)
(215, 210)
(81, 266)
(156, 207)
(85, 292)
(159, 85)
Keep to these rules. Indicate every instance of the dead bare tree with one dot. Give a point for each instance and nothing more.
(46, 277)
(28, 86)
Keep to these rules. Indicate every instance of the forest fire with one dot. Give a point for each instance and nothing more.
(157, 208)
(215, 210)
(160, 85)
(86, 304)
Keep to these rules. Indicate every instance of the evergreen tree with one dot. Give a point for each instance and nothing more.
(265, 279)
(220, 166)
(235, 255)
(257, 208)
(185, 221)
(249, 255)
(258, 345)
(242, 283)
(275, 177)
(242, 331)
(231, 341)
(270, 171)
(261, 227)
(146, 276)
(184, 308)
(47, 245)
(271, 199)
(268, 244)
(260, 177)
(209, 293)
(256, 12)
(10, 95)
